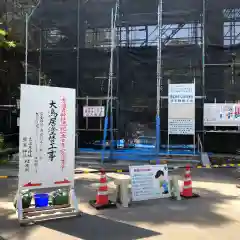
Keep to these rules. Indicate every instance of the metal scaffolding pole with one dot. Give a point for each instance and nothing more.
(27, 18)
(113, 44)
(26, 48)
(159, 74)
(110, 91)
(203, 61)
(40, 58)
(77, 74)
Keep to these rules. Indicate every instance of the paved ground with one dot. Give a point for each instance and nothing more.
(213, 216)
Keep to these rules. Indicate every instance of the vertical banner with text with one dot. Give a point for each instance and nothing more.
(47, 137)
(181, 109)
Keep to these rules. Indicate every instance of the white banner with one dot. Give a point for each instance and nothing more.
(221, 114)
(149, 182)
(181, 109)
(47, 137)
(93, 111)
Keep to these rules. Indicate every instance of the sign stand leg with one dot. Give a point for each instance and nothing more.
(194, 144)
(73, 199)
(176, 186)
(168, 141)
(19, 206)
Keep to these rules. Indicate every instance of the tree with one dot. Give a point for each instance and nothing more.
(11, 71)
(4, 42)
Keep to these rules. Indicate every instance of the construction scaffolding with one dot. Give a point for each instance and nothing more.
(70, 41)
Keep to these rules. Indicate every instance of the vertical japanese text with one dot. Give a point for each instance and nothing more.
(63, 131)
(52, 130)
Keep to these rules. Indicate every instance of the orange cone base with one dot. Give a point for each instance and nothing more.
(110, 204)
(194, 195)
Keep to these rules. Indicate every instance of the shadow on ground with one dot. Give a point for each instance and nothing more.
(108, 224)
(90, 227)
(200, 211)
(8, 188)
(218, 175)
(86, 227)
(9, 226)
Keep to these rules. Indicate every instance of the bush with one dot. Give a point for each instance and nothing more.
(26, 199)
(1, 141)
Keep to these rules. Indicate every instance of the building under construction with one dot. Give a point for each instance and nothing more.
(69, 46)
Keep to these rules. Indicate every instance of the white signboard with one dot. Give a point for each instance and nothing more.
(181, 109)
(93, 111)
(181, 93)
(47, 137)
(181, 126)
(149, 182)
(221, 114)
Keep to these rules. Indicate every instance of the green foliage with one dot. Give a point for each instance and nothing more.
(3, 161)
(4, 42)
(26, 199)
(2, 145)
(59, 197)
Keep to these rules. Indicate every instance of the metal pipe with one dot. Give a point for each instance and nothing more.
(27, 18)
(87, 117)
(8, 106)
(117, 34)
(40, 58)
(109, 90)
(110, 66)
(111, 69)
(159, 74)
(77, 73)
(194, 133)
(203, 60)
(96, 98)
(222, 64)
(111, 83)
(26, 48)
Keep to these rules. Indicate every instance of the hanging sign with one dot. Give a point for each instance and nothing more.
(149, 182)
(47, 137)
(221, 114)
(93, 111)
(181, 109)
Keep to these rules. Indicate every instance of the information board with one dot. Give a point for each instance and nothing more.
(47, 137)
(181, 126)
(93, 111)
(221, 114)
(181, 93)
(149, 182)
(181, 109)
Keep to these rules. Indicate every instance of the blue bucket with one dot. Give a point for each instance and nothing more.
(41, 199)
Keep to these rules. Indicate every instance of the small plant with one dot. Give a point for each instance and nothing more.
(2, 145)
(3, 161)
(59, 197)
(26, 196)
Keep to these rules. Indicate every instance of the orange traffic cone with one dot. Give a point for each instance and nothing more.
(102, 200)
(187, 185)
(102, 194)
